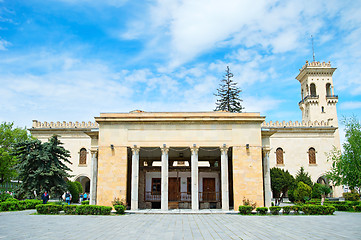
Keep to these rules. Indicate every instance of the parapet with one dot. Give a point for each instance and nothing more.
(316, 64)
(291, 124)
(37, 124)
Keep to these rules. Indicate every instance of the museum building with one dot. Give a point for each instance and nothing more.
(198, 160)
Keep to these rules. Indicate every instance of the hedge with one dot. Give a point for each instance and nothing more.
(31, 203)
(262, 210)
(70, 209)
(286, 209)
(275, 210)
(86, 202)
(48, 208)
(295, 209)
(120, 209)
(245, 210)
(310, 209)
(93, 210)
(358, 208)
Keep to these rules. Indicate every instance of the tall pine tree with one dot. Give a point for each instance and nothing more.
(228, 94)
(41, 166)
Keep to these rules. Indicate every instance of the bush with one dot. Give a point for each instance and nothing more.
(31, 203)
(310, 209)
(358, 208)
(79, 187)
(70, 209)
(93, 210)
(11, 204)
(286, 209)
(120, 209)
(275, 210)
(295, 209)
(48, 208)
(5, 196)
(86, 202)
(118, 201)
(262, 210)
(247, 202)
(351, 196)
(302, 192)
(245, 210)
(73, 189)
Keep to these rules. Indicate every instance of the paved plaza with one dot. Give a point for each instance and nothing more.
(24, 225)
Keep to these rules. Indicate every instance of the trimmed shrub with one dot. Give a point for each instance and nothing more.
(93, 210)
(295, 209)
(262, 210)
(86, 202)
(351, 196)
(11, 204)
(245, 210)
(120, 209)
(31, 203)
(310, 209)
(70, 209)
(358, 208)
(5, 196)
(48, 208)
(79, 187)
(73, 189)
(275, 210)
(286, 209)
(302, 192)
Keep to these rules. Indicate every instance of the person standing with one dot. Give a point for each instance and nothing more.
(85, 197)
(45, 197)
(67, 197)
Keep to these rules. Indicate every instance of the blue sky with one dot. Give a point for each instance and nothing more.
(69, 60)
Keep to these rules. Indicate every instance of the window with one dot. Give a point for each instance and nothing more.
(312, 156)
(322, 109)
(189, 185)
(82, 156)
(328, 90)
(313, 90)
(156, 186)
(279, 156)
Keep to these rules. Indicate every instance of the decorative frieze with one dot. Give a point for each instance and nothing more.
(37, 124)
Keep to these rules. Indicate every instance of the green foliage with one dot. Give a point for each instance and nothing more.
(9, 136)
(358, 208)
(74, 191)
(245, 210)
(86, 202)
(346, 166)
(351, 196)
(41, 166)
(31, 203)
(281, 181)
(302, 192)
(93, 210)
(296, 209)
(319, 189)
(310, 209)
(48, 208)
(5, 196)
(118, 201)
(11, 204)
(70, 209)
(262, 210)
(228, 94)
(120, 209)
(275, 210)
(304, 177)
(79, 186)
(247, 202)
(286, 209)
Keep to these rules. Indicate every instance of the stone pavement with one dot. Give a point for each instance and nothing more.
(23, 225)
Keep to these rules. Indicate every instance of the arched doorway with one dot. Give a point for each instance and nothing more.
(85, 183)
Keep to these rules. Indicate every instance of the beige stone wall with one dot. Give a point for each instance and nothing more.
(112, 175)
(247, 175)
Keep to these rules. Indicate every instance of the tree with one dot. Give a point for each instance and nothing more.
(281, 181)
(41, 166)
(304, 177)
(228, 94)
(9, 136)
(302, 192)
(346, 165)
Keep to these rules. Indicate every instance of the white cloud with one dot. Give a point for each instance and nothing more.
(350, 105)
(4, 44)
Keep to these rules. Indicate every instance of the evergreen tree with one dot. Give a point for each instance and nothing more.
(228, 94)
(42, 166)
(303, 176)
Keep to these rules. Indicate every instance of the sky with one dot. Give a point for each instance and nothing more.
(70, 60)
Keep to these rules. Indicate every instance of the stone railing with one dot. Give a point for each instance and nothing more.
(37, 124)
(316, 64)
(284, 124)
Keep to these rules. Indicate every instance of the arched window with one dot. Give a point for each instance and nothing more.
(311, 156)
(328, 90)
(279, 156)
(82, 156)
(313, 90)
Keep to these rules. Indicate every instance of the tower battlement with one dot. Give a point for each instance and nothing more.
(316, 64)
(46, 125)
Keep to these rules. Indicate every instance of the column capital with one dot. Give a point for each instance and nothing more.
(135, 149)
(94, 150)
(224, 148)
(194, 149)
(266, 150)
(164, 149)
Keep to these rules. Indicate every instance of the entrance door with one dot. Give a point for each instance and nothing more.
(173, 189)
(209, 189)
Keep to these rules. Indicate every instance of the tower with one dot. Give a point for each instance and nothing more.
(318, 101)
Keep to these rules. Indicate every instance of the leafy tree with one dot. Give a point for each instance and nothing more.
(41, 166)
(8, 136)
(75, 190)
(228, 94)
(319, 189)
(281, 181)
(304, 177)
(346, 166)
(303, 192)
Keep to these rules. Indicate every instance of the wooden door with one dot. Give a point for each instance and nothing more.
(173, 189)
(209, 189)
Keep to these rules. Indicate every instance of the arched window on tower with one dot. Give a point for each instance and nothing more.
(279, 156)
(311, 156)
(82, 156)
(313, 90)
(328, 90)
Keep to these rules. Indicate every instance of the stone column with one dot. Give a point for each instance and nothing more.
(164, 180)
(135, 178)
(267, 178)
(224, 177)
(194, 179)
(94, 178)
